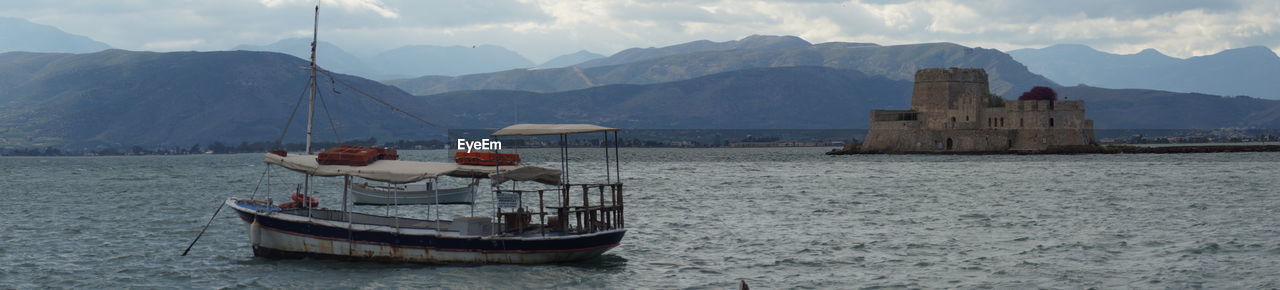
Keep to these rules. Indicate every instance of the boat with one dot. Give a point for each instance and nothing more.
(537, 215)
(409, 194)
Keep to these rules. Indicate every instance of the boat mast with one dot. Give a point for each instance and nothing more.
(311, 104)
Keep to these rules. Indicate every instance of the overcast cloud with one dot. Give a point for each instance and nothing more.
(542, 29)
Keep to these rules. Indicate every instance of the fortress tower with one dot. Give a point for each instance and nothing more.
(942, 89)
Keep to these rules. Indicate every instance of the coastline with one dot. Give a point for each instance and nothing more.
(1082, 149)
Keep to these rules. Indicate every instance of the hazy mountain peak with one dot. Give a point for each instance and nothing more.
(571, 59)
(1075, 50)
(1240, 71)
(328, 55)
(1070, 46)
(844, 44)
(18, 34)
(753, 42)
(1248, 51)
(1150, 52)
(756, 42)
(422, 60)
(296, 46)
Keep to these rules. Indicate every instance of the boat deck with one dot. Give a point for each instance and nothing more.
(410, 223)
(368, 219)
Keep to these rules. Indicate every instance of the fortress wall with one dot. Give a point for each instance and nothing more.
(894, 136)
(1069, 105)
(906, 139)
(893, 115)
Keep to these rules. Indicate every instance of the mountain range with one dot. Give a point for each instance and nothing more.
(1249, 71)
(329, 56)
(1153, 109)
(817, 98)
(648, 66)
(120, 98)
(416, 60)
(117, 98)
(22, 35)
(571, 59)
(753, 42)
(760, 98)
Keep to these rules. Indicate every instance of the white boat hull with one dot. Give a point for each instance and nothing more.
(279, 235)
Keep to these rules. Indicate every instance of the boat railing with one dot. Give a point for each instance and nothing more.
(580, 209)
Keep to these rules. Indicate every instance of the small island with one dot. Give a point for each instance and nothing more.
(954, 112)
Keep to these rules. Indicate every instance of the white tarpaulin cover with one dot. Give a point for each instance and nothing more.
(399, 171)
(549, 129)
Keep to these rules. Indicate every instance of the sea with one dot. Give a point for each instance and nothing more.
(697, 218)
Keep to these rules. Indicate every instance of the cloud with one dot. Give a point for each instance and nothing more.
(374, 6)
(169, 45)
(542, 29)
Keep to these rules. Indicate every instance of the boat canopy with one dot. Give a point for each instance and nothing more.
(550, 129)
(399, 171)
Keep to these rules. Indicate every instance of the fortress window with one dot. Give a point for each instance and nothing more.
(1020, 123)
(1050, 122)
(953, 119)
(966, 118)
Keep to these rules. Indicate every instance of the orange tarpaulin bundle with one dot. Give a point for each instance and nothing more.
(355, 155)
(486, 158)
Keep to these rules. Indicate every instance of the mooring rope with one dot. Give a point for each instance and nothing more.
(380, 101)
(206, 227)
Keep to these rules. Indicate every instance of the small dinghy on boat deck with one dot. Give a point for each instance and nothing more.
(408, 194)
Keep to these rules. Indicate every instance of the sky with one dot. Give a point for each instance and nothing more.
(543, 29)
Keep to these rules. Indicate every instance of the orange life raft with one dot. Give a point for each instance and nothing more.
(486, 158)
(297, 202)
(355, 155)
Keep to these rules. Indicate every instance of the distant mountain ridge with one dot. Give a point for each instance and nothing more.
(897, 62)
(120, 98)
(21, 35)
(817, 98)
(760, 98)
(1247, 71)
(1153, 109)
(753, 42)
(402, 62)
(571, 59)
(331, 57)
(417, 60)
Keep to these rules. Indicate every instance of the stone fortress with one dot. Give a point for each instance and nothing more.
(953, 111)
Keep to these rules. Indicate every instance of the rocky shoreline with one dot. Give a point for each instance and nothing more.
(854, 149)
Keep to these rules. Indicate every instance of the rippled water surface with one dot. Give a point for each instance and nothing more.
(777, 218)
